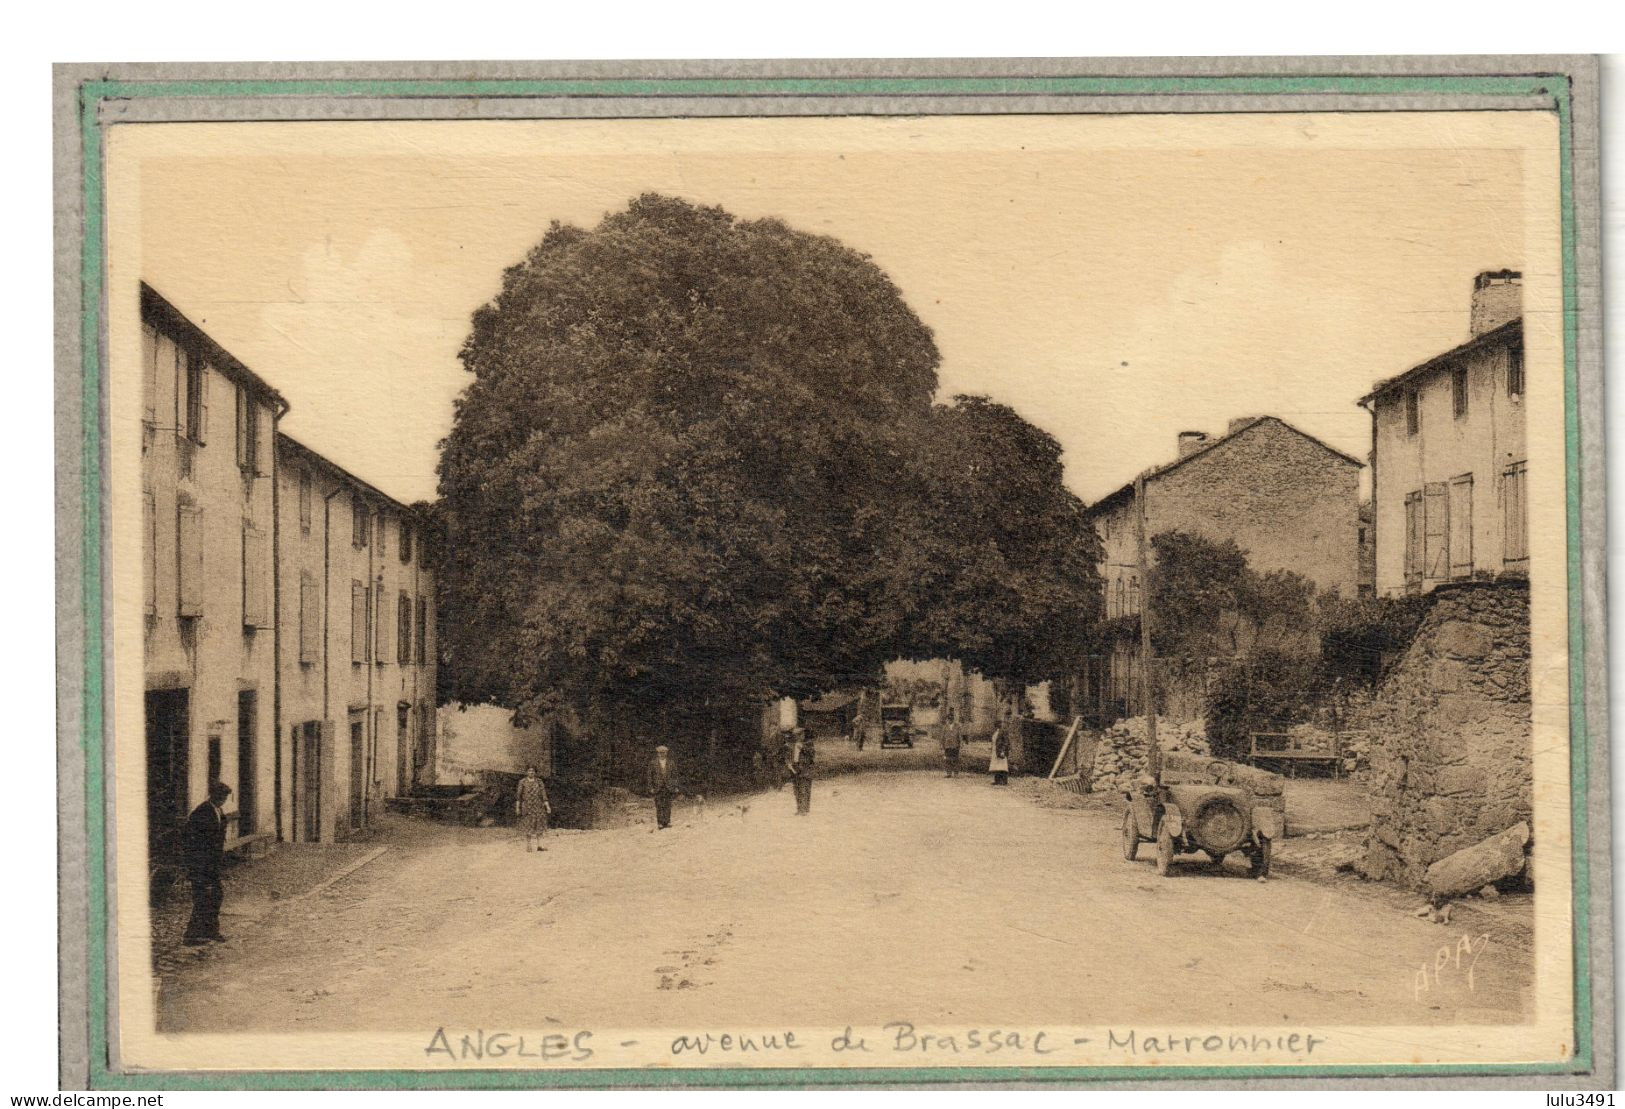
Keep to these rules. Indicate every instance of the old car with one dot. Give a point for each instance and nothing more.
(1207, 806)
(896, 729)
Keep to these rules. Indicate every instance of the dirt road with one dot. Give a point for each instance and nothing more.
(902, 896)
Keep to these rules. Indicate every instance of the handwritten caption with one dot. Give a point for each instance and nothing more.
(1452, 962)
(893, 1039)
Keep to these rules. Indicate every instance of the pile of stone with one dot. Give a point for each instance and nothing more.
(1120, 752)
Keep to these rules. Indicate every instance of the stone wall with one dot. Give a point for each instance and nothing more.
(1450, 732)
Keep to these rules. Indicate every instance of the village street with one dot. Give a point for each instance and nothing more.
(903, 896)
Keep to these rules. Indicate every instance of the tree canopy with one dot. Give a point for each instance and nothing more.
(698, 460)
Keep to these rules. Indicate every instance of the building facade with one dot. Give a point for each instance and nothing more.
(207, 477)
(1448, 454)
(1288, 500)
(357, 672)
(289, 647)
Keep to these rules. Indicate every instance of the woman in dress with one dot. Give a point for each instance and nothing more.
(532, 806)
(999, 764)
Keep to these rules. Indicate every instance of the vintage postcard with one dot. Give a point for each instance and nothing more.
(874, 573)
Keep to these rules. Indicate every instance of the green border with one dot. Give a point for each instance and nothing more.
(92, 260)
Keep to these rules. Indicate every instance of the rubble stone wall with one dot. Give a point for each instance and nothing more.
(1450, 732)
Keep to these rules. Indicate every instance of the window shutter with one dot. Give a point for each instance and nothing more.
(403, 629)
(381, 624)
(169, 355)
(203, 376)
(243, 442)
(358, 622)
(189, 547)
(149, 540)
(256, 609)
(1436, 520)
(1514, 520)
(1413, 536)
(149, 373)
(263, 432)
(1461, 526)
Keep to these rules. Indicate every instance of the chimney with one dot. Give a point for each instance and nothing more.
(1190, 442)
(1497, 299)
(1238, 423)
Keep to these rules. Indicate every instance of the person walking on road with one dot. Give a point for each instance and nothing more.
(999, 764)
(662, 785)
(801, 774)
(950, 742)
(532, 807)
(205, 846)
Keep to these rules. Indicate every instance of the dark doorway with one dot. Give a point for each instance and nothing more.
(167, 731)
(403, 749)
(247, 723)
(309, 749)
(358, 769)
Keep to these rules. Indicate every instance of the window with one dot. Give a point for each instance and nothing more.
(1413, 538)
(195, 415)
(306, 500)
(1461, 526)
(1514, 515)
(310, 618)
(248, 431)
(403, 629)
(360, 524)
(256, 558)
(1413, 412)
(406, 541)
(1515, 371)
(1458, 391)
(1120, 602)
(189, 547)
(149, 542)
(360, 640)
(423, 630)
(1133, 595)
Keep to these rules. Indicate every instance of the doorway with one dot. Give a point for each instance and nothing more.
(247, 722)
(403, 749)
(168, 714)
(309, 752)
(358, 769)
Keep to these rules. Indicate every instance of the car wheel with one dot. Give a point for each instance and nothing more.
(1165, 849)
(1131, 834)
(1261, 859)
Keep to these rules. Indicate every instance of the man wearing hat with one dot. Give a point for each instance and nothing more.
(662, 784)
(205, 858)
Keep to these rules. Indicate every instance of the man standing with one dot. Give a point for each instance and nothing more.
(205, 856)
(662, 784)
(950, 741)
(801, 773)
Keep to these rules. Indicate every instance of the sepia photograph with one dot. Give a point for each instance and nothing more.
(1007, 590)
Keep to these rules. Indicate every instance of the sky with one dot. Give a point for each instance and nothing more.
(1116, 280)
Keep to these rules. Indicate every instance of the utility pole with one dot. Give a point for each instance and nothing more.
(1153, 753)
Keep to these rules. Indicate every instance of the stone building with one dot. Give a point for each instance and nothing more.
(207, 463)
(357, 624)
(1288, 500)
(1448, 454)
(1450, 727)
(284, 597)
